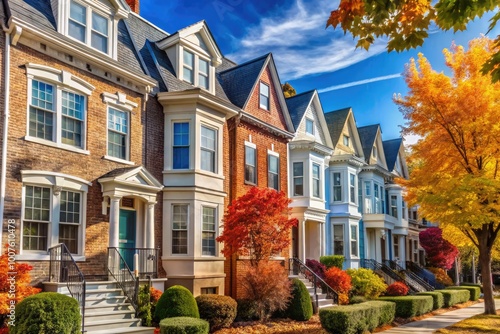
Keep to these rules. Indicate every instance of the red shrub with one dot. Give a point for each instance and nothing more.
(317, 267)
(397, 289)
(340, 281)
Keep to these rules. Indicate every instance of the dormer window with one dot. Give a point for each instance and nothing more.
(193, 64)
(203, 73)
(374, 152)
(88, 27)
(309, 126)
(188, 68)
(346, 140)
(264, 96)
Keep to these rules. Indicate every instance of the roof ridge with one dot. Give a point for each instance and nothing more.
(300, 94)
(246, 63)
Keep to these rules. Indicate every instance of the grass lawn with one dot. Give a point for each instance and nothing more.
(479, 324)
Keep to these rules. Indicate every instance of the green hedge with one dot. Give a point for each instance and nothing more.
(218, 310)
(472, 284)
(475, 291)
(176, 301)
(47, 313)
(452, 297)
(410, 306)
(437, 298)
(352, 319)
(184, 325)
(300, 307)
(332, 261)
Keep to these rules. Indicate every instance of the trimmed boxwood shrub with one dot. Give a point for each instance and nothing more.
(410, 306)
(357, 300)
(300, 306)
(452, 297)
(332, 261)
(475, 291)
(353, 319)
(47, 313)
(472, 284)
(437, 298)
(184, 325)
(176, 301)
(366, 283)
(219, 311)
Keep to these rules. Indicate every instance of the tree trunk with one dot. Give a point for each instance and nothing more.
(485, 263)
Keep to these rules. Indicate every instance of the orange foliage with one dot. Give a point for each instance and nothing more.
(397, 289)
(155, 295)
(340, 281)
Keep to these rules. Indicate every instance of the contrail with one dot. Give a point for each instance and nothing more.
(361, 82)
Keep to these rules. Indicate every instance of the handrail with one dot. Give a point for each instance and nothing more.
(63, 269)
(296, 266)
(387, 271)
(425, 274)
(409, 276)
(148, 260)
(120, 271)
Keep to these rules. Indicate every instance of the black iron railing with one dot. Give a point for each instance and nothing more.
(297, 267)
(118, 268)
(425, 274)
(409, 277)
(148, 260)
(386, 272)
(63, 269)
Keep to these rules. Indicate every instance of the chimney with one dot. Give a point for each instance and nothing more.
(134, 5)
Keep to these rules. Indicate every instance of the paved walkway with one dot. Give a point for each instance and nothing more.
(429, 325)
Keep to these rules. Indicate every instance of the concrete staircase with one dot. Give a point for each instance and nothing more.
(107, 310)
(322, 301)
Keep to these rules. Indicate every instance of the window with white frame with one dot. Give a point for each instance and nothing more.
(346, 140)
(188, 67)
(352, 188)
(374, 151)
(338, 239)
(354, 240)
(250, 164)
(309, 126)
(208, 233)
(378, 191)
(203, 72)
(264, 96)
(180, 158)
(195, 69)
(337, 187)
(179, 229)
(118, 133)
(403, 207)
(316, 181)
(298, 179)
(88, 26)
(394, 206)
(69, 219)
(368, 197)
(56, 114)
(208, 149)
(396, 246)
(273, 175)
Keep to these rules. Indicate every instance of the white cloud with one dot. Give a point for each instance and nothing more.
(300, 43)
(360, 82)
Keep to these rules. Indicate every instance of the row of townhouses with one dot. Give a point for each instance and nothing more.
(118, 135)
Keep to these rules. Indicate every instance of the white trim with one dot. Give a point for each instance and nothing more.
(59, 77)
(26, 176)
(57, 145)
(250, 144)
(128, 114)
(110, 158)
(119, 100)
(215, 231)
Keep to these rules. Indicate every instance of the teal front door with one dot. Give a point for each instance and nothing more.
(127, 237)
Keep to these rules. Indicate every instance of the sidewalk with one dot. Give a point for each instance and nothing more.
(429, 325)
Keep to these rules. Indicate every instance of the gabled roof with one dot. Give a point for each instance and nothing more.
(367, 135)
(391, 149)
(297, 106)
(137, 175)
(335, 121)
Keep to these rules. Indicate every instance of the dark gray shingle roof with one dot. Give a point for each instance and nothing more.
(335, 121)
(391, 150)
(367, 136)
(238, 81)
(297, 106)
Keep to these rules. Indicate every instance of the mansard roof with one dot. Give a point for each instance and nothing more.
(367, 135)
(391, 149)
(297, 106)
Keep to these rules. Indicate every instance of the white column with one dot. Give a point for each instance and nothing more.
(322, 240)
(302, 241)
(378, 247)
(150, 225)
(114, 221)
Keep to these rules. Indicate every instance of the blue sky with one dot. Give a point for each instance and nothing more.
(308, 55)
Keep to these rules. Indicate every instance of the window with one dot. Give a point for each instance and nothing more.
(208, 149)
(368, 197)
(44, 113)
(316, 181)
(209, 291)
(298, 179)
(96, 34)
(374, 152)
(37, 214)
(394, 206)
(69, 220)
(208, 238)
(250, 164)
(179, 229)
(403, 206)
(352, 188)
(346, 140)
(337, 187)
(310, 126)
(378, 191)
(338, 239)
(181, 146)
(118, 130)
(273, 172)
(396, 246)
(264, 96)
(203, 73)
(188, 67)
(354, 240)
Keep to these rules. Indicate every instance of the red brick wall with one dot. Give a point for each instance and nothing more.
(25, 155)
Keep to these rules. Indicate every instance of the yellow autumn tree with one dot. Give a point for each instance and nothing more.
(456, 173)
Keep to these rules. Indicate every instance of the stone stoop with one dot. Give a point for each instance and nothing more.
(322, 301)
(107, 310)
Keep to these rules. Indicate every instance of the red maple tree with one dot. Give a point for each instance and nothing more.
(440, 252)
(257, 224)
